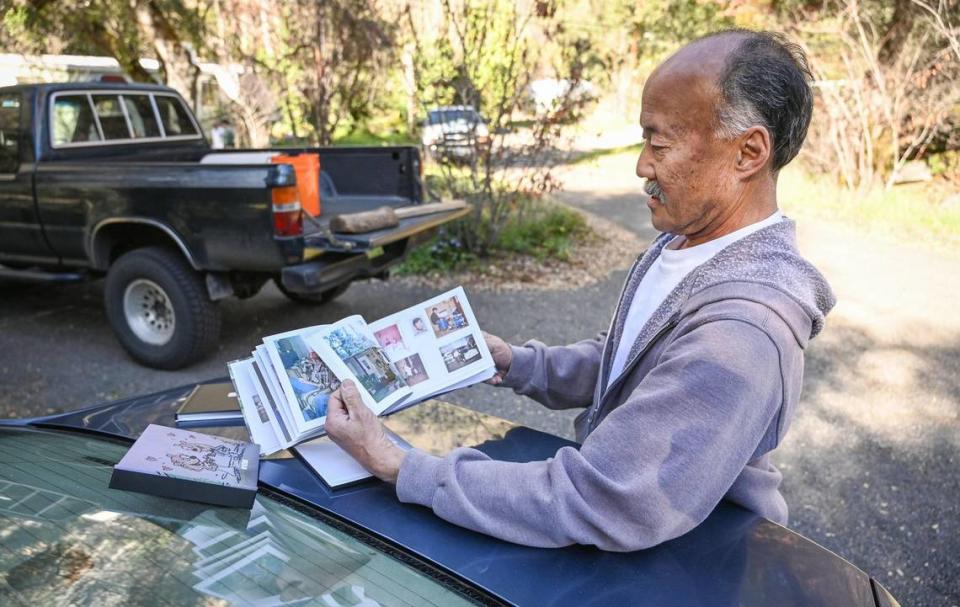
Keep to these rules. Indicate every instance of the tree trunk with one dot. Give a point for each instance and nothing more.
(179, 71)
(897, 32)
(320, 101)
(410, 80)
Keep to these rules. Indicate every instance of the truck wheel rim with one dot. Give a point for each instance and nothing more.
(149, 312)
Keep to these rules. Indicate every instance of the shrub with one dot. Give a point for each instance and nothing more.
(443, 253)
(544, 231)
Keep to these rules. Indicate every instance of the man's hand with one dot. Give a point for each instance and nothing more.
(354, 427)
(502, 357)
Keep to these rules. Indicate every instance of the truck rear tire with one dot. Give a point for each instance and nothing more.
(159, 308)
(313, 299)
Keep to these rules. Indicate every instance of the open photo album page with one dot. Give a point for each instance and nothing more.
(305, 379)
(435, 345)
(350, 350)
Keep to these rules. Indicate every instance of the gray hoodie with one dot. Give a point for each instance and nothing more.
(708, 391)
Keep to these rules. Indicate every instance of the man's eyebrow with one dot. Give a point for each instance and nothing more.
(651, 130)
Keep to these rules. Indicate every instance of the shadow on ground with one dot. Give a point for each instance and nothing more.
(870, 463)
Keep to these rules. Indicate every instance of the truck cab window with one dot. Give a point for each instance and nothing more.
(112, 121)
(72, 120)
(142, 119)
(9, 133)
(175, 118)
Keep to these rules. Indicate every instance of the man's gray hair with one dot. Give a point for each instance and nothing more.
(765, 83)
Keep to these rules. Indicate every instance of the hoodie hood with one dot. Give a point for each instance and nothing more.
(767, 267)
(764, 266)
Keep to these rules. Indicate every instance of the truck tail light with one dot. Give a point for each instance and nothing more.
(287, 214)
(307, 169)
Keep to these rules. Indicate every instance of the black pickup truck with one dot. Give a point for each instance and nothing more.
(118, 180)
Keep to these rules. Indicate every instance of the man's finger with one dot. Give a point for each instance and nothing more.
(337, 415)
(335, 406)
(350, 396)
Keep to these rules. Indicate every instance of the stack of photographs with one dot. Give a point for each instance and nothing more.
(427, 349)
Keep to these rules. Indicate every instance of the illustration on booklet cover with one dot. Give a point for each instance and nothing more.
(224, 460)
(189, 465)
(207, 458)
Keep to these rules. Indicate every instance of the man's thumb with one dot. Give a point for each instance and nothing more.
(349, 392)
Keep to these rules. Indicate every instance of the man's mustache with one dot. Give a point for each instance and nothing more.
(652, 189)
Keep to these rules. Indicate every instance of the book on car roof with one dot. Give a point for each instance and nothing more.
(180, 464)
(425, 350)
(210, 403)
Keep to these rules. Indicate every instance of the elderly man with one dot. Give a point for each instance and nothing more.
(698, 377)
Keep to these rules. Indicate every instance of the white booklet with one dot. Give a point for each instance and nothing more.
(433, 347)
(334, 465)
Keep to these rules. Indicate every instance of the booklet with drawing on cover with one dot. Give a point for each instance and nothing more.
(427, 349)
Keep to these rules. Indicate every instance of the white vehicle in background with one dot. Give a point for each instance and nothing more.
(454, 133)
(548, 94)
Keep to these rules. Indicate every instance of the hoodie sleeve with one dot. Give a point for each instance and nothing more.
(652, 470)
(558, 377)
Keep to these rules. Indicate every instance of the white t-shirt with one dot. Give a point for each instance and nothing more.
(664, 275)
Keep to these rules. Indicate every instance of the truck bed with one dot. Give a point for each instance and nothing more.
(319, 236)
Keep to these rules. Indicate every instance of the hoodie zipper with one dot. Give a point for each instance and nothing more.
(613, 320)
(593, 412)
(600, 389)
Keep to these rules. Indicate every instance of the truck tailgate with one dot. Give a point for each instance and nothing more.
(320, 237)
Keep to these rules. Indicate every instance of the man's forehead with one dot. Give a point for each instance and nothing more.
(672, 103)
(684, 89)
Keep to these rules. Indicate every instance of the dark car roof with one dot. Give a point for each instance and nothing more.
(734, 558)
(52, 87)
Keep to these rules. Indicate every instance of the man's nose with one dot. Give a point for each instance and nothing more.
(644, 166)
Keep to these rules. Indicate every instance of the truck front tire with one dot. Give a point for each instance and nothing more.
(159, 308)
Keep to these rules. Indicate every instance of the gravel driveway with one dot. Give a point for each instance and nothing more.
(870, 464)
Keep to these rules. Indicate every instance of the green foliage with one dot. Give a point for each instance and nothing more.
(889, 83)
(546, 231)
(478, 61)
(443, 253)
(659, 28)
(946, 164)
(363, 136)
(910, 211)
(123, 29)
(329, 60)
(484, 53)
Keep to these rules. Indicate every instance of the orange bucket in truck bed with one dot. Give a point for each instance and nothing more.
(307, 168)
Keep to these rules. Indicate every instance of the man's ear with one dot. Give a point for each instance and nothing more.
(754, 150)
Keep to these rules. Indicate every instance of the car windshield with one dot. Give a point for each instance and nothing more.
(70, 540)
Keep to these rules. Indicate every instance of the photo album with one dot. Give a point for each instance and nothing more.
(425, 350)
